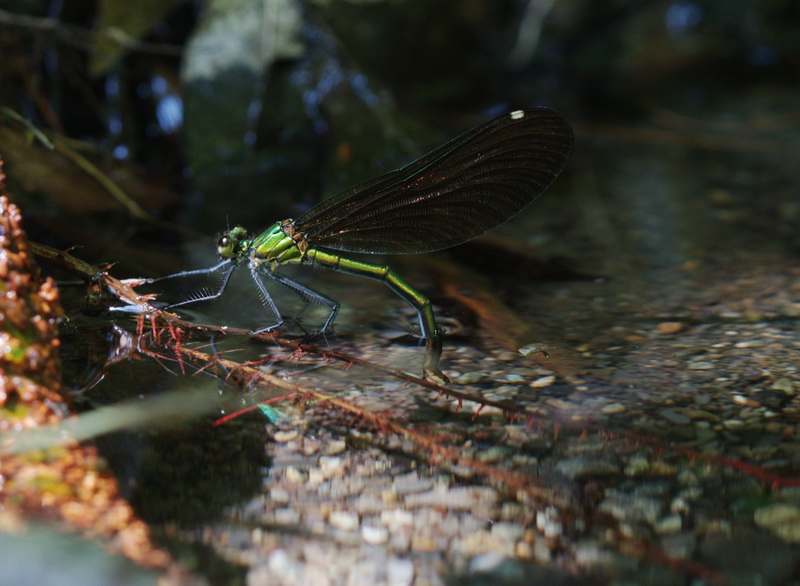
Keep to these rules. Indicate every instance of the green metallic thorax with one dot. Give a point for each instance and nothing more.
(279, 245)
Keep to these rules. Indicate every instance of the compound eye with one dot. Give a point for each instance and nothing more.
(225, 246)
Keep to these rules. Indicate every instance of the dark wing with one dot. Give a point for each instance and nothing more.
(451, 195)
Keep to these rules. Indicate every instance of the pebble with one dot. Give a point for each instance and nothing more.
(294, 475)
(344, 520)
(784, 384)
(394, 519)
(613, 409)
(668, 524)
(281, 564)
(559, 404)
(399, 572)
(733, 424)
(335, 447)
(486, 562)
(591, 553)
(781, 519)
(627, 507)
(315, 477)
(284, 436)
(411, 482)
(701, 415)
(509, 534)
(374, 535)
(279, 495)
(700, 365)
(544, 381)
(548, 522)
(287, 516)
(469, 378)
(330, 466)
(669, 327)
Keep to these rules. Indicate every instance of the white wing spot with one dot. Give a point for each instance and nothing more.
(517, 114)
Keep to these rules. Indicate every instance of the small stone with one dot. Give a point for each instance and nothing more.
(287, 516)
(523, 550)
(344, 520)
(548, 522)
(637, 465)
(631, 508)
(701, 415)
(782, 519)
(330, 466)
(733, 424)
(278, 495)
(315, 476)
(374, 535)
(469, 378)
(613, 409)
(396, 518)
(591, 553)
(281, 564)
(668, 524)
(535, 349)
(544, 381)
(486, 562)
(559, 404)
(399, 572)
(784, 384)
(294, 475)
(700, 365)
(283, 436)
(669, 327)
(509, 533)
(424, 543)
(335, 447)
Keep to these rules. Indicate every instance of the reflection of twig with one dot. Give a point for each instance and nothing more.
(82, 37)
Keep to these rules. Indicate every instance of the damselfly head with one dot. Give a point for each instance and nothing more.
(230, 242)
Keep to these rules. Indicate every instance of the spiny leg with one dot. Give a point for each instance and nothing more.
(308, 294)
(256, 270)
(225, 279)
(207, 271)
(427, 322)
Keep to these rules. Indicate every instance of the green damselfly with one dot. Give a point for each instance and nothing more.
(453, 194)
